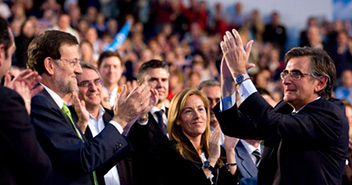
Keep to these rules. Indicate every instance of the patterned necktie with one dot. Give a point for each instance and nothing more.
(258, 156)
(159, 115)
(67, 113)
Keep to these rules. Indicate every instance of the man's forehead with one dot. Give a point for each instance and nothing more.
(298, 63)
(158, 73)
(88, 74)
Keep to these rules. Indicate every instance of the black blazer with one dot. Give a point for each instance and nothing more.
(172, 169)
(311, 146)
(124, 167)
(73, 161)
(144, 139)
(22, 160)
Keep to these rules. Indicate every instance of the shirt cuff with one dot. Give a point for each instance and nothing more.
(227, 102)
(245, 90)
(117, 126)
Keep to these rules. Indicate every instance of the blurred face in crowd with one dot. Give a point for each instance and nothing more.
(213, 95)
(158, 78)
(89, 87)
(193, 117)
(111, 70)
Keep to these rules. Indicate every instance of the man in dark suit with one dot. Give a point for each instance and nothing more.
(76, 160)
(150, 128)
(305, 135)
(89, 90)
(22, 160)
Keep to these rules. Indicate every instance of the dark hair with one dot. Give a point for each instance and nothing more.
(320, 65)
(152, 64)
(107, 54)
(89, 66)
(207, 83)
(5, 37)
(47, 44)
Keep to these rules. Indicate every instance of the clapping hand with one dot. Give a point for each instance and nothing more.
(214, 146)
(129, 107)
(25, 85)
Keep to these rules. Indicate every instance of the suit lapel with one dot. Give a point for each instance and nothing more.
(245, 163)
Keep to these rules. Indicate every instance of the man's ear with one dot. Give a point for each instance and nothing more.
(2, 53)
(49, 65)
(322, 83)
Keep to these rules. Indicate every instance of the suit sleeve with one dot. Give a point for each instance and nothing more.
(62, 144)
(320, 120)
(21, 146)
(233, 123)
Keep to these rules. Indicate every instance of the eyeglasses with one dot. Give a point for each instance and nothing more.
(294, 74)
(72, 62)
(86, 83)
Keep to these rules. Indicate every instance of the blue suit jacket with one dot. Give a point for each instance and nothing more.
(245, 164)
(73, 161)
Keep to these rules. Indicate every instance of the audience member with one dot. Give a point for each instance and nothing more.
(301, 132)
(76, 160)
(150, 128)
(191, 152)
(344, 91)
(23, 161)
(275, 32)
(63, 24)
(110, 68)
(347, 173)
(89, 90)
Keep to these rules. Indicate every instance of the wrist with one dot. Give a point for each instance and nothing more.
(120, 121)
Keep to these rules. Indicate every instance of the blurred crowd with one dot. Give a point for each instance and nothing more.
(184, 34)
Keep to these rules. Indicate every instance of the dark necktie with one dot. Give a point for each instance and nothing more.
(159, 115)
(258, 156)
(67, 113)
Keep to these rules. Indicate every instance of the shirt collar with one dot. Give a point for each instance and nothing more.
(156, 109)
(295, 112)
(250, 148)
(58, 100)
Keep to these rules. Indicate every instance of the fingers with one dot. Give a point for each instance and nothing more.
(36, 90)
(7, 80)
(237, 38)
(249, 47)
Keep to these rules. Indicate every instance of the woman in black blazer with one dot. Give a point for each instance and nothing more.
(192, 156)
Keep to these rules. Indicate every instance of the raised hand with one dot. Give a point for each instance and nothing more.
(230, 144)
(82, 113)
(29, 77)
(236, 56)
(138, 102)
(214, 146)
(22, 89)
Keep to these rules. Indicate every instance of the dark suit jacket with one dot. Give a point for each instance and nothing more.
(347, 173)
(311, 146)
(22, 160)
(73, 161)
(124, 167)
(172, 169)
(144, 139)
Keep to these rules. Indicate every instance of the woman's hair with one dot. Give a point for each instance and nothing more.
(175, 131)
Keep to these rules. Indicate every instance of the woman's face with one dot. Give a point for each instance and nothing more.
(193, 118)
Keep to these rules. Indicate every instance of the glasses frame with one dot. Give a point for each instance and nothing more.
(295, 74)
(85, 84)
(72, 62)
